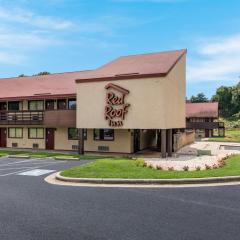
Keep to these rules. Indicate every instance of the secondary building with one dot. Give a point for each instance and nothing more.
(203, 119)
(130, 104)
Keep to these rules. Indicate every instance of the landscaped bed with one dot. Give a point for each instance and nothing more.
(130, 169)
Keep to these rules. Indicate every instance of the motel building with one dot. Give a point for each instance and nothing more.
(131, 104)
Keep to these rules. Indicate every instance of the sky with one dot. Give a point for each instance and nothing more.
(73, 35)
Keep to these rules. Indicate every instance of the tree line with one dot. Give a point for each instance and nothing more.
(38, 74)
(227, 97)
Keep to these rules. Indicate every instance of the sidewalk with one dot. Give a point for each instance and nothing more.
(187, 156)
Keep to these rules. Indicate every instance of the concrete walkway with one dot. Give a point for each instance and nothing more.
(187, 157)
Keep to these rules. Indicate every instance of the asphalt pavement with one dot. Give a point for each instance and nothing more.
(32, 209)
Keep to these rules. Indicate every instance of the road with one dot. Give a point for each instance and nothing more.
(32, 209)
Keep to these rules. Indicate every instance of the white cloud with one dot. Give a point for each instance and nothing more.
(11, 58)
(28, 17)
(216, 60)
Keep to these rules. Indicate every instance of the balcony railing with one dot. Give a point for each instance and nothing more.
(204, 125)
(50, 118)
(24, 117)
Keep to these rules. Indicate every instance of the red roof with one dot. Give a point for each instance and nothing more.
(63, 84)
(202, 110)
(135, 66)
(60, 84)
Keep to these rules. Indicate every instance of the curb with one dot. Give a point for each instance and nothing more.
(66, 159)
(149, 181)
(17, 156)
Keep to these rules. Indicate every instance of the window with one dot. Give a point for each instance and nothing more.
(14, 106)
(104, 134)
(72, 104)
(61, 104)
(15, 132)
(36, 133)
(35, 105)
(73, 134)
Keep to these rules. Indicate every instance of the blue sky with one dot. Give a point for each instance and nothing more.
(70, 35)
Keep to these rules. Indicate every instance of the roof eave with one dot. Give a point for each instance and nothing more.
(137, 76)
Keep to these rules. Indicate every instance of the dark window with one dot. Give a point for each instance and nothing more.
(73, 134)
(61, 104)
(15, 132)
(36, 133)
(14, 106)
(49, 104)
(35, 105)
(104, 134)
(72, 104)
(3, 106)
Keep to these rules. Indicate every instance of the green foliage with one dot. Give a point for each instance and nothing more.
(42, 154)
(124, 168)
(231, 135)
(232, 122)
(42, 73)
(140, 162)
(199, 98)
(229, 100)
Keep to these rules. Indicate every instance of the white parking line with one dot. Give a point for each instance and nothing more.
(32, 161)
(23, 169)
(36, 172)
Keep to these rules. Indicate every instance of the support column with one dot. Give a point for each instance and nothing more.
(80, 141)
(163, 142)
(169, 142)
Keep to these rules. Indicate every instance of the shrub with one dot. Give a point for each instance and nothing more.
(139, 162)
(221, 163)
(186, 168)
(207, 167)
(159, 167)
(144, 164)
(214, 166)
(198, 168)
(150, 166)
(170, 169)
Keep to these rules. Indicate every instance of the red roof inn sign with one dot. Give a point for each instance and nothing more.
(115, 108)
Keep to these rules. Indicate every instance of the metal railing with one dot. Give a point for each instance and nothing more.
(204, 125)
(23, 117)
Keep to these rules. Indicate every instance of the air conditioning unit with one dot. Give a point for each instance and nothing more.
(103, 148)
(14, 145)
(35, 145)
(74, 147)
(35, 118)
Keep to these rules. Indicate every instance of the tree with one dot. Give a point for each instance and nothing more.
(42, 73)
(22, 75)
(229, 100)
(199, 98)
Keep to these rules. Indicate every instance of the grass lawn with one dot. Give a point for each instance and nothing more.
(46, 154)
(110, 168)
(232, 135)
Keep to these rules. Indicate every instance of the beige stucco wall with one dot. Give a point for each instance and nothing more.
(122, 142)
(61, 139)
(25, 142)
(156, 103)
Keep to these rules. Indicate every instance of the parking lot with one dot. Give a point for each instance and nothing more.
(33, 209)
(32, 167)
